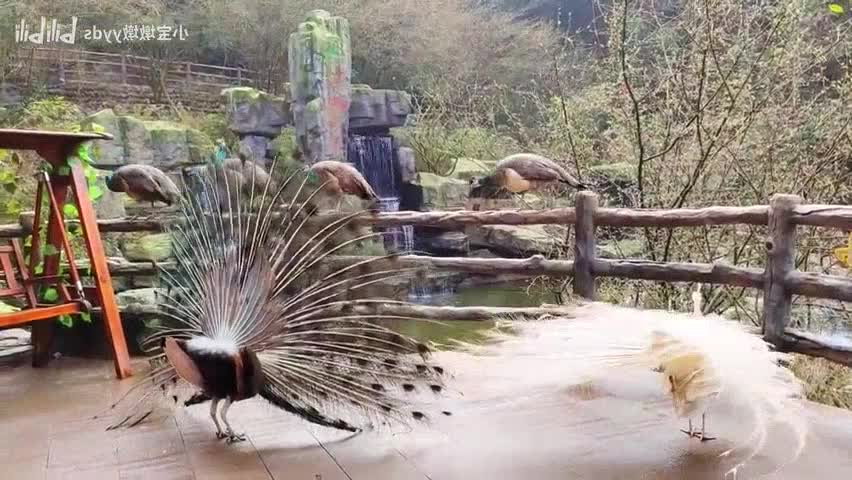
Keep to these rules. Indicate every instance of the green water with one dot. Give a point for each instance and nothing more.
(495, 295)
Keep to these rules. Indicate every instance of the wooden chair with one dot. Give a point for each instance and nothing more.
(20, 279)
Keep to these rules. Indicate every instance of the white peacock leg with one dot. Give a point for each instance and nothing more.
(213, 404)
(703, 436)
(232, 437)
(691, 431)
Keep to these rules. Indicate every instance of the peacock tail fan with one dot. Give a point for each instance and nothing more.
(261, 270)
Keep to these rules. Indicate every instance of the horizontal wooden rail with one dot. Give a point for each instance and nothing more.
(823, 216)
(798, 283)
(779, 280)
(428, 312)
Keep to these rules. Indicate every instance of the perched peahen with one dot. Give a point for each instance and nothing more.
(521, 173)
(144, 183)
(257, 306)
(339, 178)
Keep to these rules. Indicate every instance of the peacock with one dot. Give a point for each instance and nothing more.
(521, 173)
(257, 307)
(699, 362)
(341, 178)
(235, 177)
(144, 183)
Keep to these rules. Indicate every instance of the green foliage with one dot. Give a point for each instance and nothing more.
(49, 113)
(437, 148)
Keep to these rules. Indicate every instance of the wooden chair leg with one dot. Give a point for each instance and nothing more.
(42, 338)
(101, 276)
(42, 331)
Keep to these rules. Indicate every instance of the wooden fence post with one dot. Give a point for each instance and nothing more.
(240, 77)
(781, 255)
(585, 203)
(123, 69)
(188, 74)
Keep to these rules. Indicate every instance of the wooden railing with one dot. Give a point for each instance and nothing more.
(117, 76)
(778, 280)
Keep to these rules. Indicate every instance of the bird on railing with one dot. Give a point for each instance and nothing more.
(700, 361)
(236, 177)
(524, 172)
(144, 183)
(256, 311)
(339, 179)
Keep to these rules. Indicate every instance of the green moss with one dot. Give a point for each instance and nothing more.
(156, 247)
(442, 192)
(200, 146)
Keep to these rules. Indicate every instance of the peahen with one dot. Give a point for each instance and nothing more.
(341, 178)
(524, 172)
(144, 183)
(258, 307)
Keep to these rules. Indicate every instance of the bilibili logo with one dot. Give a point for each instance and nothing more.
(47, 32)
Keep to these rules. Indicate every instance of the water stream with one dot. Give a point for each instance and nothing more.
(373, 156)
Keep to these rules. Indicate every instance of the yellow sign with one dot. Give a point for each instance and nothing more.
(842, 254)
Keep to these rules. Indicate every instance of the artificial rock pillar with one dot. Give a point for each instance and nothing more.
(320, 86)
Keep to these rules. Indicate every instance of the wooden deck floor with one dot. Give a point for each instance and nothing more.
(46, 434)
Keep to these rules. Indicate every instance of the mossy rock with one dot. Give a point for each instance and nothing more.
(283, 146)
(152, 247)
(442, 192)
(159, 143)
(242, 94)
(517, 240)
(254, 112)
(138, 296)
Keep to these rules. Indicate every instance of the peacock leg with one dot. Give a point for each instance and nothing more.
(691, 431)
(232, 437)
(213, 404)
(702, 435)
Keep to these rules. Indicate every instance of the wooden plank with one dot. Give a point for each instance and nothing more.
(781, 255)
(532, 266)
(36, 314)
(817, 346)
(100, 273)
(681, 217)
(716, 273)
(584, 244)
(834, 216)
(819, 285)
(426, 312)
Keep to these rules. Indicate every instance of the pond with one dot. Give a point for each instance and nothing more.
(506, 294)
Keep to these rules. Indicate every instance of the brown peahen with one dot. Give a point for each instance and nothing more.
(524, 172)
(257, 306)
(340, 179)
(144, 183)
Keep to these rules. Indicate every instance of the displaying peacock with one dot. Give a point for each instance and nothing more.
(257, 306)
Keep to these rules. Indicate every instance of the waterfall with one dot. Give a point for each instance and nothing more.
(373, 156)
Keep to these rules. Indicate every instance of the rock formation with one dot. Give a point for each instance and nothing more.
(256, 117)
(320, 75)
